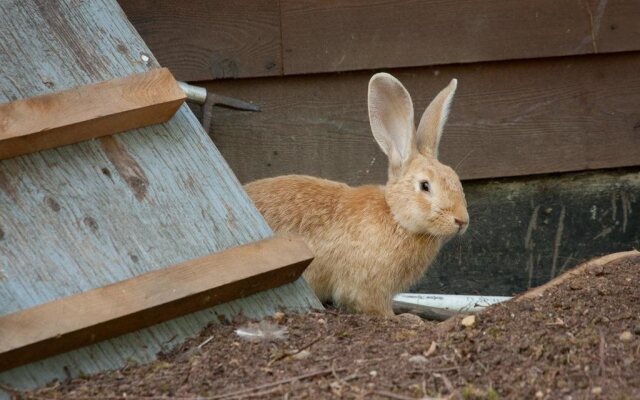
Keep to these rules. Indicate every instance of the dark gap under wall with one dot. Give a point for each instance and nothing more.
(525, 231)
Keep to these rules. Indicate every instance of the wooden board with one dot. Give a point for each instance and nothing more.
(87, 112)
(507, 119)
(210, 39)
(147, 299)
(87, 215)
(343, 35)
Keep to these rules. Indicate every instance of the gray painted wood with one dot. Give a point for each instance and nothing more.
(86, 215)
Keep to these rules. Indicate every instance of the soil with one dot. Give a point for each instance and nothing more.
(579, 340)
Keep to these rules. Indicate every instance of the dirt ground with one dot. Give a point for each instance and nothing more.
(580, 340)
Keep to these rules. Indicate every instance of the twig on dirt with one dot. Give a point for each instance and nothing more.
(333, 370)
(453, 393)
(306, 346)
(602, 349)
(396, 396)
(269, 385)
(352, 377)
(446, 369)
(254, 394)
(205, 342)
(391, 395)
(446, 381)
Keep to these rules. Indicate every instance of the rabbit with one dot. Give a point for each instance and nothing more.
(372, 242)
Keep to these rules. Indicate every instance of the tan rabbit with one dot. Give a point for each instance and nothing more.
(371, 242)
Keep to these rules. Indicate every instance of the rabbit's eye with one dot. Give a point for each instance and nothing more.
(424, 186)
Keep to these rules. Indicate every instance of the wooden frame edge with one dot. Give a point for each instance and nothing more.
(88, 112)
(157, 296)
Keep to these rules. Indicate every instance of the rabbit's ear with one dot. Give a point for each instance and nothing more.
(433, 120)
(391, 117)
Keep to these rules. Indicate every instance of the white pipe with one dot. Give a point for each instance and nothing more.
(442, 306)
(194, 93)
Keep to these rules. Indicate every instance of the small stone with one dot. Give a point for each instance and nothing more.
(321, 321)
(575, 286)
(373, 374)
(412, 318)
(596, 390)
(539, 394)
(468, 321)
(626, 336)
(279, 316)
(418, 359)
(431, 350)
(527, 306)
(302, 355)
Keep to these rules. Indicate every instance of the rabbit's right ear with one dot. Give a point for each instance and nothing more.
(391, 117)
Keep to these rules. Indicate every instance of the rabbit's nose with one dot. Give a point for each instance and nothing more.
(462, 225)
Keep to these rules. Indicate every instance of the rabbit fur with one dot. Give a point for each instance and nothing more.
(371, 242)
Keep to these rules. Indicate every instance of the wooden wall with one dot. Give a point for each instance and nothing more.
(545, 86)
(211, 39)
(508, 118)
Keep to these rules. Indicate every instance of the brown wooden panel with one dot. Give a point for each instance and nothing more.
(87, 112)
(210, 39)
(342, 35)
(508, 119)
(150, 298)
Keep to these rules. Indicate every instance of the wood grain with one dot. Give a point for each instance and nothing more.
(210, 39)
(342, 35)
(66, 324)
(79, 217)
(87, 112)
(507, 119)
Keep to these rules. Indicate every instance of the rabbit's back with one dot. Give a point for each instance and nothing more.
(296, 203)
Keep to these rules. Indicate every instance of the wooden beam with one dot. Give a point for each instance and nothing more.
(210, 39)
(88, 112)
(507, 119)
(327, 36)
(150, 298)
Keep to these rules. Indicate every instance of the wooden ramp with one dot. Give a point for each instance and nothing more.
(90, 214)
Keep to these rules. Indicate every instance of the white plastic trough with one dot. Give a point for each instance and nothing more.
(443, 306)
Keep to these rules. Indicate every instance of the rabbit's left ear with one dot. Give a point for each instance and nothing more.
(433, 120)
(391, 118)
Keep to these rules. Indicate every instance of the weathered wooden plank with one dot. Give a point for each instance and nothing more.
(150, 298)
(507, 119)
(87, 112)
(87, 215)
(524, 232)
(210, 39)
(342, 35)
